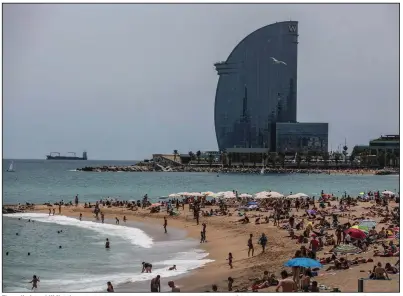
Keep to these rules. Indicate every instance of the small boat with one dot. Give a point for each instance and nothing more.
(11, 167)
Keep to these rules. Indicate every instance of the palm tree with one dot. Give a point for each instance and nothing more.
(337, 158)
(380, 155)
(230, 159)
(264, 157)
(326, 157)
(175, 154)
(198, 153)
(308, 159)
(298, 159)
(273, 159)
(210, 158)
(191, 154)
(281, 157)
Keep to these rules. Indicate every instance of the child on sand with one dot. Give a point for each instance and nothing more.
(34, 282)
(230, 258)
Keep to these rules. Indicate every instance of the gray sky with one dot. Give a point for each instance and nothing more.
(126, 81)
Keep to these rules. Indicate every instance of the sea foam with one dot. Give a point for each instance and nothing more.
(134, 235)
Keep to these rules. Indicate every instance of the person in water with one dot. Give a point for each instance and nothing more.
(54, 211)
(35, 281)
(81, 216)
(117, 220)
(109, 287)
(165, 224)
(172, 268)
(156, 284)
(124, 219)
(107, 244)
(147, 267)
(50, 211)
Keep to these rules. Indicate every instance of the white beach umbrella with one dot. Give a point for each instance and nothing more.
(387, 192)
(173, 195)
(197, 194)
(293, 196)
(208, 193)
(275, 194)
(229, 194)
(245, 195)
(183, 193)
(300, 194)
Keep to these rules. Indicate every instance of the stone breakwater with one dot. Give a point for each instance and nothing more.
(241, 170)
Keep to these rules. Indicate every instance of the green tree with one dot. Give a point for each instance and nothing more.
(337, 157)
(326, 157)
(198, 154)
(191, 155)
(298, 159)
(308, 159)
(230, 156)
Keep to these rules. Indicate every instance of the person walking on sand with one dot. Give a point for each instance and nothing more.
(34, 282)
(76, 203)
(50, 211)
(124, 219)
(165, 224)
(230, 258)
(60, 208)
(202, 237)
(287, 284)
(250, 245)
(102, 217)
(54, 211)
(117, 220)
(204, 225)
(263, 242)
(156, 284)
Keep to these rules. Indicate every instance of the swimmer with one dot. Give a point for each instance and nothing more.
(172, 268)
(109, 287)
(29, 254)
(147, 267)
(107, 244)
(6, 253)
(16, 233)
(81, 216)
(34, 282)
(60, 247)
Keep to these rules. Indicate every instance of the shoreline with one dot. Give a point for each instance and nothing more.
(141, 167)
(224, 235)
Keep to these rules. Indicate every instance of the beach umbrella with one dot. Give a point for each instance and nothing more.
(174, 195)
(300, 194)
(155, 205)
(303, 262)
(275, 194)
(229, 194)
(387, 192)
(368, 223)
(346, 249)
(363, 228)
(208, 193)
(245, 195)
(356, 233)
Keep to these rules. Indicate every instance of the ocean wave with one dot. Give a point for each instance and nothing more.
(185, 262)
(134, 235)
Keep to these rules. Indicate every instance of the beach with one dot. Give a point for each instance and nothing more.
(225, 234)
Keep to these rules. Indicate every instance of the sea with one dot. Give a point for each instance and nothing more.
(69, 255)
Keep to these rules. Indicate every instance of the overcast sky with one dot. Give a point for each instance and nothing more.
(127, 80)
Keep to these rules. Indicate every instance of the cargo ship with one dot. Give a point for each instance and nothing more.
(70, 156)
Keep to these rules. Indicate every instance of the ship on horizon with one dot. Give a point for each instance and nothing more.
(72, 156)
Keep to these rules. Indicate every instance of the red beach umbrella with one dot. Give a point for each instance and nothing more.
(356, 233)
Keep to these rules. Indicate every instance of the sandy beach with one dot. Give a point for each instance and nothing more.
(225, 234)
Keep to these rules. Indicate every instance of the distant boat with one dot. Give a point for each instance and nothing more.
(72, 156)
(11, 167)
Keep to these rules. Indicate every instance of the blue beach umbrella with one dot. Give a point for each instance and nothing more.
(302, 262)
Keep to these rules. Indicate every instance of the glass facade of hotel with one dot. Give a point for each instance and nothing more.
(253, 91)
